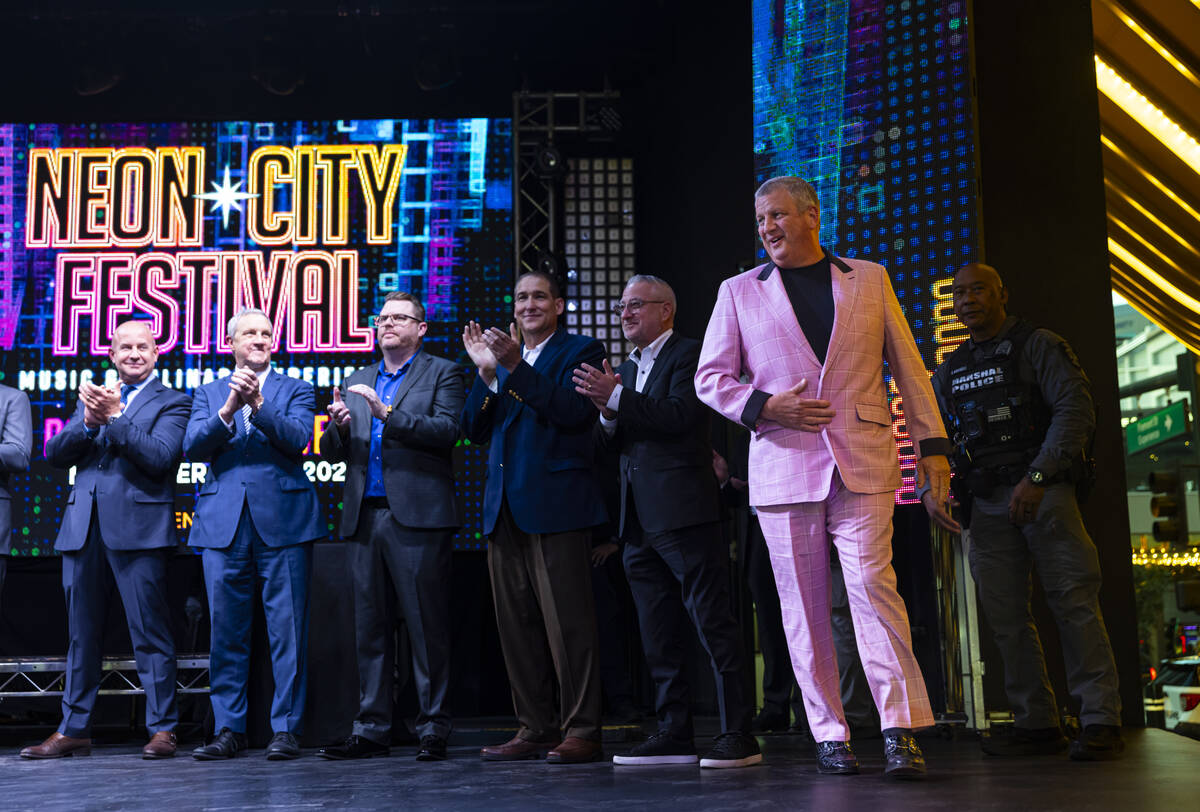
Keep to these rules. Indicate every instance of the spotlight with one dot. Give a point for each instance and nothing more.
(549, 163)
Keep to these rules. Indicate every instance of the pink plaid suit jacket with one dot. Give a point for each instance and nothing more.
(753, 330)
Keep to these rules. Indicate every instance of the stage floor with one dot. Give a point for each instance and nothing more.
(1158, 772)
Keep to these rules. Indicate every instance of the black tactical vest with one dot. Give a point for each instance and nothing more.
(999, 418)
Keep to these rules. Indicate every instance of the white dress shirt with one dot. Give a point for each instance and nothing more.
(529, 355)
(644, 358)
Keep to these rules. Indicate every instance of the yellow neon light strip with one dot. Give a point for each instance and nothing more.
(1158, 184)
(1155, 121)
(1151, 217)
(1152, 276)
(1129, 230)
(1149, 39)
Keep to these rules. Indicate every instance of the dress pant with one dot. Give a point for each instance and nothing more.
(231, 575)
(613, 625)
(140, 577)
(545, 613)
(679, 576)
(860, 525)
(392, 568)
(780, 691)
(1058, 546)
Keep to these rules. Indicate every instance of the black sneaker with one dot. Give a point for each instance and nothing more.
(904, 757)
(733, 750)
(836, 758)
(661, 748)
(1023, 741)
(1098, 743)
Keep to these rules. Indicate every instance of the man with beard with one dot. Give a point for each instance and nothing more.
(396, 430)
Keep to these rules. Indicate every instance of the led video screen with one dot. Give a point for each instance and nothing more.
(870, 102)
(183, 223)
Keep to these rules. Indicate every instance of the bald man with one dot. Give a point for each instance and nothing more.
(1019, 407)
(119, 525)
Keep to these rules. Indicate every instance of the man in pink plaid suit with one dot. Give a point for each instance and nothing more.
(795, 350)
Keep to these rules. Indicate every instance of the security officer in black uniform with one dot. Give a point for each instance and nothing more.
(1019, 410)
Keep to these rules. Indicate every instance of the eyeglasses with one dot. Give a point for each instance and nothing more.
(634, 305)
(391, 318)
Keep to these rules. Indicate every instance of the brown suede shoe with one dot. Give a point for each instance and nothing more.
(161, 745)
(59, 746)
(575, 750)
(517, 749)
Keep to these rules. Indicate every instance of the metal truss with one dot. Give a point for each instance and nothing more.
(45, 676)
(541, 120)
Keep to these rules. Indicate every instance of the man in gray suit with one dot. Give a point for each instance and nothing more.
(16, 436)
(397, 429)
(119, 525)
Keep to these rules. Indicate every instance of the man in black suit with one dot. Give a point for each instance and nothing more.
(675, 554)
(119, 525)
(396, 430)
(16, 436)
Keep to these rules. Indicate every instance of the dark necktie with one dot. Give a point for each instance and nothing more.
(126, 389)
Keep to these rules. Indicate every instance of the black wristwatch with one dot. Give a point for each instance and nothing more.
(1036, 476)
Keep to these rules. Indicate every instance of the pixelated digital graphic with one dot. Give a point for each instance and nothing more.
(870, 102)
(184, 223)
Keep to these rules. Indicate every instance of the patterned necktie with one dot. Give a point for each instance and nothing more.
(125, 390)
(246, 418)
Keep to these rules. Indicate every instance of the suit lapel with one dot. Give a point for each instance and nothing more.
(150, 392)
(845, 295)
(419, 364)
(775, 294)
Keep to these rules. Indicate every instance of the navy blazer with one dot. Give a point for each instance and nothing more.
(127, 471)
(418, 445)
(663, 436)
(16, 437)
(540, 431)
(263, 469)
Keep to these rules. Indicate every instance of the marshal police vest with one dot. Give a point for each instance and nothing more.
(999, 419)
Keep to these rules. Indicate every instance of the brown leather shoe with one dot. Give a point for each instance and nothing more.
(516, 749)
(161, 745)
(575, 750)
(59, 746)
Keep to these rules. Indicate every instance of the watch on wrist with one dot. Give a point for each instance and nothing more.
(113, 419)
(1036, 476)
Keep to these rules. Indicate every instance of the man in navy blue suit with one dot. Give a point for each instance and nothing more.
(541, 501)
(256, 516)
(119, 525)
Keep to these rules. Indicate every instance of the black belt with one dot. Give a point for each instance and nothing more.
(376, 502)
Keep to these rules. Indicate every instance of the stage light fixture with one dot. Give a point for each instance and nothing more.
(1126, 256)
(1145, 113)
(549, 163)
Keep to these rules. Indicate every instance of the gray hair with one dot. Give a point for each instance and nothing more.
(801, 191)
(649, 279)
(231, 327)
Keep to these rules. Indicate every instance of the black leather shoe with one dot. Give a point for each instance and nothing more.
(1021, 741)
(226, 744)
(836, 758)
(767, 721)
(433, 748)
(283, 746)
(904, 757)
(353, 747)
(1098, 743)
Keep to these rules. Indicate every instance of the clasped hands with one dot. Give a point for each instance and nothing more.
(597, 385)
(491, 347)
(243, 391)
(100, 404)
